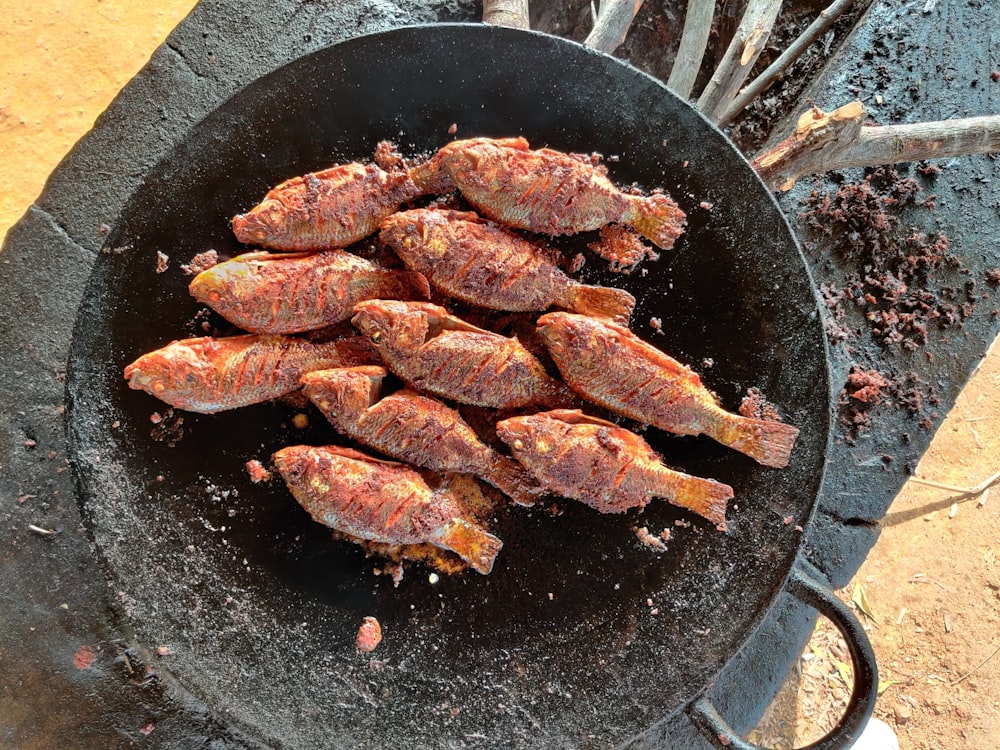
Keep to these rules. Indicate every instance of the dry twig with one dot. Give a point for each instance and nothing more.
(512, 13)
(979, 489)
(690, 53)
(776, 69)
(837, 140)
(983, 662)
(613, 20)
(744, 49)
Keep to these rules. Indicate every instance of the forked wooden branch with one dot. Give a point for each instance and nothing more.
(744, 49)
(613, 20)
(838, 140)
(775, 70)
(512, 13)
(691, 51)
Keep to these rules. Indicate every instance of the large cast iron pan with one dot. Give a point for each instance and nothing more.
(581, 637)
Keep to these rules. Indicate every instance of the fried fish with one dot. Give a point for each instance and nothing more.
(477, 261)
(436, 352)
(209, 375)
(609, 365)
(605, 466)
(293, 292)
(413, 428)
(544, 190)
(383, 501)
(319, 211)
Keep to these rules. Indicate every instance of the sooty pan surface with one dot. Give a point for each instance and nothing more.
(560, 645)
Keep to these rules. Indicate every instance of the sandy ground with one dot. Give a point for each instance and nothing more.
(931, 585)
(929, 596)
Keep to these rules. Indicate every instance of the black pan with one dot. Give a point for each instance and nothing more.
(581, 637)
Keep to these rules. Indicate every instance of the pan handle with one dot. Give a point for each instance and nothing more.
(808, 590)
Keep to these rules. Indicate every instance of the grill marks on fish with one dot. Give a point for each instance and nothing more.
(411, 427)
(329, 209)
(482, 263)
(605, 466)
(384, 502)
(209, 375)
(609, 365)
(290, 293)
(436, 352)
(545, 191)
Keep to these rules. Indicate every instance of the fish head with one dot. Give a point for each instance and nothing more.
(523, 434)
(208, 287)
(177, 373)
(222, 285)
(344, 390)
(553, 329)
(266, 223)
(393, 325)
(293, 464)
(403, 230)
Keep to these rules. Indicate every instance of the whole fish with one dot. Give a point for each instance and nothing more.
(319, 211)
(293, 292)
(479, 262)
(382, 501)
(433, 351)
(545, 190)
(605, 466)
(412, 428)
(609, 365)
(209, 375)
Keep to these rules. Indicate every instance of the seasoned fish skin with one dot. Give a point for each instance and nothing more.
(209, 375)
(413, 428)
(605, 466)
(479, 262)
(544, 190)
(436, 352)
(293, 292)
(322, 210)
(609, 365)
(382, 501)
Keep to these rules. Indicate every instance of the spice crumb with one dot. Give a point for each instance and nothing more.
(257, 471)
(369, 635)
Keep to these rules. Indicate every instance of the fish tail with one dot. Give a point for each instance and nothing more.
(706, 497)
(656, 217)
(513, 480)
(431, 178)
(765, 441)
(602, 302)
(471, 543)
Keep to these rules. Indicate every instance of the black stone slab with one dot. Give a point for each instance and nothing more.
(938, 65)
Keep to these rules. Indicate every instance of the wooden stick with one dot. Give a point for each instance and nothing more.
(613, 20)
(694, 41)
(823, 142)
(776, 69)
(972, 491)
(816, 132)
(511, 13)
(744, 49)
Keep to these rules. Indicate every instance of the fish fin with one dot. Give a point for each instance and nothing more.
(602, 302)
(656, 217)
(767, 442)
(412, 284)
(513, 480)
(471, 543)
(517, 143)
(432, 177)
(706, 497)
